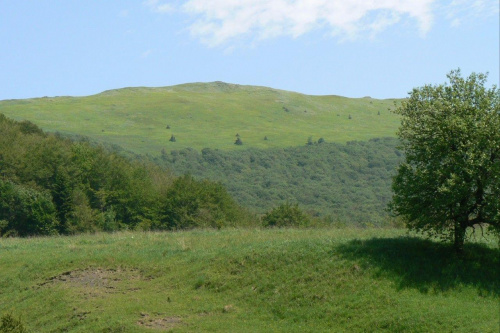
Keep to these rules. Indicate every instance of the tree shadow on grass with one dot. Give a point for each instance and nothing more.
(426, 265)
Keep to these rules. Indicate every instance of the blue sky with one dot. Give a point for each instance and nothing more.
(352, 48)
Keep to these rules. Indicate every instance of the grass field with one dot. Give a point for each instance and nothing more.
(208, 115)
(283, 280)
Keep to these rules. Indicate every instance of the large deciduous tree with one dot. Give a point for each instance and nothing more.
(450, 180)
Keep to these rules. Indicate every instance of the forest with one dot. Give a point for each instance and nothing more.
(52, 185)
(341, 183)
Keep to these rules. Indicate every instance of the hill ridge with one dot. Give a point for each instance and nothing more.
(207, 115)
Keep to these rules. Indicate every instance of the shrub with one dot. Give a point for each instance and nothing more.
(10, 324)
(191, 204)
(285, 215)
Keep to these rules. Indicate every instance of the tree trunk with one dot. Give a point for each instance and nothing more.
(459, 237)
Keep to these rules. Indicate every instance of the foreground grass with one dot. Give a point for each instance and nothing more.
(345, 280)
(208, 115)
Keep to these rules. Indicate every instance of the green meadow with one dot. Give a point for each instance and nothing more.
(250, 280)
(208, 115)
(331, 278)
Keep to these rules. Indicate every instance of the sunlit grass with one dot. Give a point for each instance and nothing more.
(282, 280)
(208, 116)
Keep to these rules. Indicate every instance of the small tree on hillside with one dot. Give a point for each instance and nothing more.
(450, 180)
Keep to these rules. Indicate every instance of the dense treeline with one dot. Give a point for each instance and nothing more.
(50, 185)
(348, 183)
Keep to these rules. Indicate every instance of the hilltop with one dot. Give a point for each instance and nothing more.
(208, 115)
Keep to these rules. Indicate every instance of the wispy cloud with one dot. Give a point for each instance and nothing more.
(123, 13)
(159, 6)
(458, 11)
(222, 22)
(146, 53)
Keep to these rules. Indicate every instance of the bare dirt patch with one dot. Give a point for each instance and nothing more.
(159, 323)
(97, 281)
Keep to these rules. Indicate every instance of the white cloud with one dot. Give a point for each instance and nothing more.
(159, 6)
(222, 22)
(123, 13)
(146, 53)
(458, 11)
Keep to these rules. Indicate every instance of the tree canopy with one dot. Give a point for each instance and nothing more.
(52, 185)
(450, 179)
(339, 183)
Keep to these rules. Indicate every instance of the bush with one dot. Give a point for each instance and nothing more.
(193, 204)
(10, 324)
(286, 215)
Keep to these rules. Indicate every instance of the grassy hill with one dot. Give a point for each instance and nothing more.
(208, 115)
(282, 280)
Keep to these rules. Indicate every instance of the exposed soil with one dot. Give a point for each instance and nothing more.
(97, 281)
(162, 324)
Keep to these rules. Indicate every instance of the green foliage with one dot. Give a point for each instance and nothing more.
(351, 182)
(25, 211)
(193, 204)
(450, 180)
(49, 184)
(285, 215)
(10, 324)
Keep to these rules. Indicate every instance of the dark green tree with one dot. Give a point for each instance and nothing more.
(450, 180)
(26, 211)
(285, 215)
(190, 203)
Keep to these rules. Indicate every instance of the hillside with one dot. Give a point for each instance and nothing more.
(321, 280)
(208, 115)
(347, 183)
(51, 185)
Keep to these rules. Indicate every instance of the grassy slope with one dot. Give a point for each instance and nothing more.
(344, 280)
(207, 115)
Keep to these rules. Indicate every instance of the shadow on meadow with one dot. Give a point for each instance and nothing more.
(427, 265)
